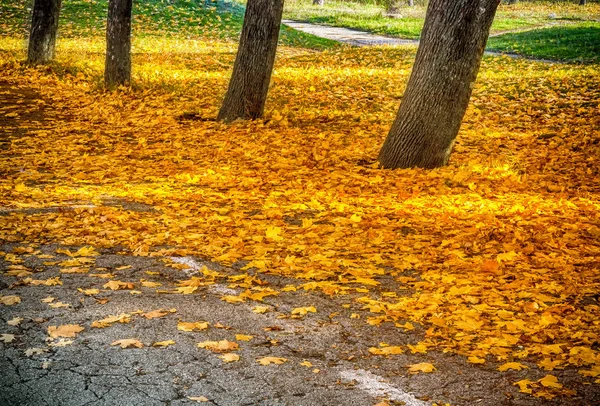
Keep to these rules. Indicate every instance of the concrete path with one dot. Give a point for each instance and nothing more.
(347, 35)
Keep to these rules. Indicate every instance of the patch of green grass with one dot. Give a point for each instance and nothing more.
(370, 15)
(171, 18)
(574, 43)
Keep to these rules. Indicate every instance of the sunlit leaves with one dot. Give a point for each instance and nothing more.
(271, 360)
(192, 326)
(219, 346)
(10, 300)
(65, 330)
(128, 343)
(422, 367)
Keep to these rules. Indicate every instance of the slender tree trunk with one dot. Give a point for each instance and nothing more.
(318, 2)
(44, 26)
(411, 3)
(117, 68)
(582, 2)
(249, 84)
(439, 88)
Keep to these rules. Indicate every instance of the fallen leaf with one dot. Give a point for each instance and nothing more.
(422, 367)
(15, 321)
(219, 346)
(271, 360)
(7, 338)
(163, 343)
(65, 330)
(128, 343)
(107, 321)
(61, 343)
(550, 381)
(155, 314)
(89, 292)
(198, 398)
(58, 305)
(35, 351)
(476, 360)
(229, 357)
(511, 365)
(301, 311)
(118, 285)
(307, 364)
(243, 337)
(260, 309)
(192, 326)
(10, 300)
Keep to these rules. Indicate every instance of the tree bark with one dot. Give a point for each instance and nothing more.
(318, 2)
(439, 88)
(44, 27)
(249, 84)
(582, 2)
(117, 68)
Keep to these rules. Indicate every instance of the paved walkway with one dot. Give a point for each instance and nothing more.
(347, 35)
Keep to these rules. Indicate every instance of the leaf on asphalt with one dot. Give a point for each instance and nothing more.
(198, 398)
(233, 299)
(243, 337)
(156, 313)
(219, 346)
(89, 292)
(60, 343)
(550, 381)
(118, 285)
(192, 326)
(271, 360)
(163, 343)
(387, 350)
(48, 299)
(107, 321)
(422, 367)
(476, 360)
(35, 351)
(301, 311)
(128, 343)
(58, 305)
(65, 330)
(7, 338)
(15, 321)
(512, 365)
(260, 309)
(307, 364)
(149, 284)
(10, 300)
(229, 357)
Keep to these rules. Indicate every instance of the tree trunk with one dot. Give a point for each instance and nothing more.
(582, 2)
(249, 84)
(44, 26)
(439, 88)
(318, 2)
(411, 3)
(117, 68)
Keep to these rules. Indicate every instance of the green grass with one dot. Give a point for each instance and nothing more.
(177, 18)
(577, 43)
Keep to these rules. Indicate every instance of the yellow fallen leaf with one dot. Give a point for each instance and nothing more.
(122, 268)
(163, 343)
(525, 386)
(117, 285)
(48, 299)
(307, 364)
(301, 311)
(219, 346)
(148, 284)
(89, 292)
(388, 350)
(271, 360)
(10, 300)
(243, 337)
(198, 398)
(232, 299)
(58, 304)
(155, 314)
(192, 326)
(7, 338)
(107, 321)
(61, 343)
(229, 357)
(476, 360)
(512, 365)
(15, 321)
(66, 330)
(128, 343)
(260, 309)
(272, 233)
(422, 367)
(550, 381)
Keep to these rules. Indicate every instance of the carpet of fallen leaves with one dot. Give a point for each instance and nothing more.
(497, 255)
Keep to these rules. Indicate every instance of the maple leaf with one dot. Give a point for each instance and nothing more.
(163, 343)
(272, 233)
(7, 338)
(422, 367)
(10, 300)
(229, 357)
(156, 313)
(58, 305)
(260, 309)
(35, 351)
(550, 381)
(271, 360)
(107, 321)
(219, 346)
(512, 365)
(89, 292)
(148, 284)
(15, 321)
(128, 343)
(243, 337)
(192, 326)
(307, 364)
(233, 299)
(118, 285)
(65, 330)
(301, 311)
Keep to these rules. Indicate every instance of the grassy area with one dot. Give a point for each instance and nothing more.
(580, 43)
(371, 16)
(180, 18)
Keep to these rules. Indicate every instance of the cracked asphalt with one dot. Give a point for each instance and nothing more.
(334, 340)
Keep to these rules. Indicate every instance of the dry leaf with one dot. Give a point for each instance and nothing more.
(15, 321)
(7, 338)
(219, 346)
(229, 357)
(66, 330)
(422, 367)
(163, 343)
(118, 285)
(301, 311)
(198, 398)
(192, 326)
(511, 365)
(10, 300)
(243, 337)
(128, 343)
(271, 360)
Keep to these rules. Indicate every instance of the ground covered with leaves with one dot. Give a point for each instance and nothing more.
(495, 257)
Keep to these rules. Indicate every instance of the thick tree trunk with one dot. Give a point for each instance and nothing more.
(117, 68)
(249, 84)
(44, 26)
(439, 88)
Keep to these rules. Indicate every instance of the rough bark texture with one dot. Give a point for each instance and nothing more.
(439, 88)
(117, 68)
(44, 27)
(249, 84)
